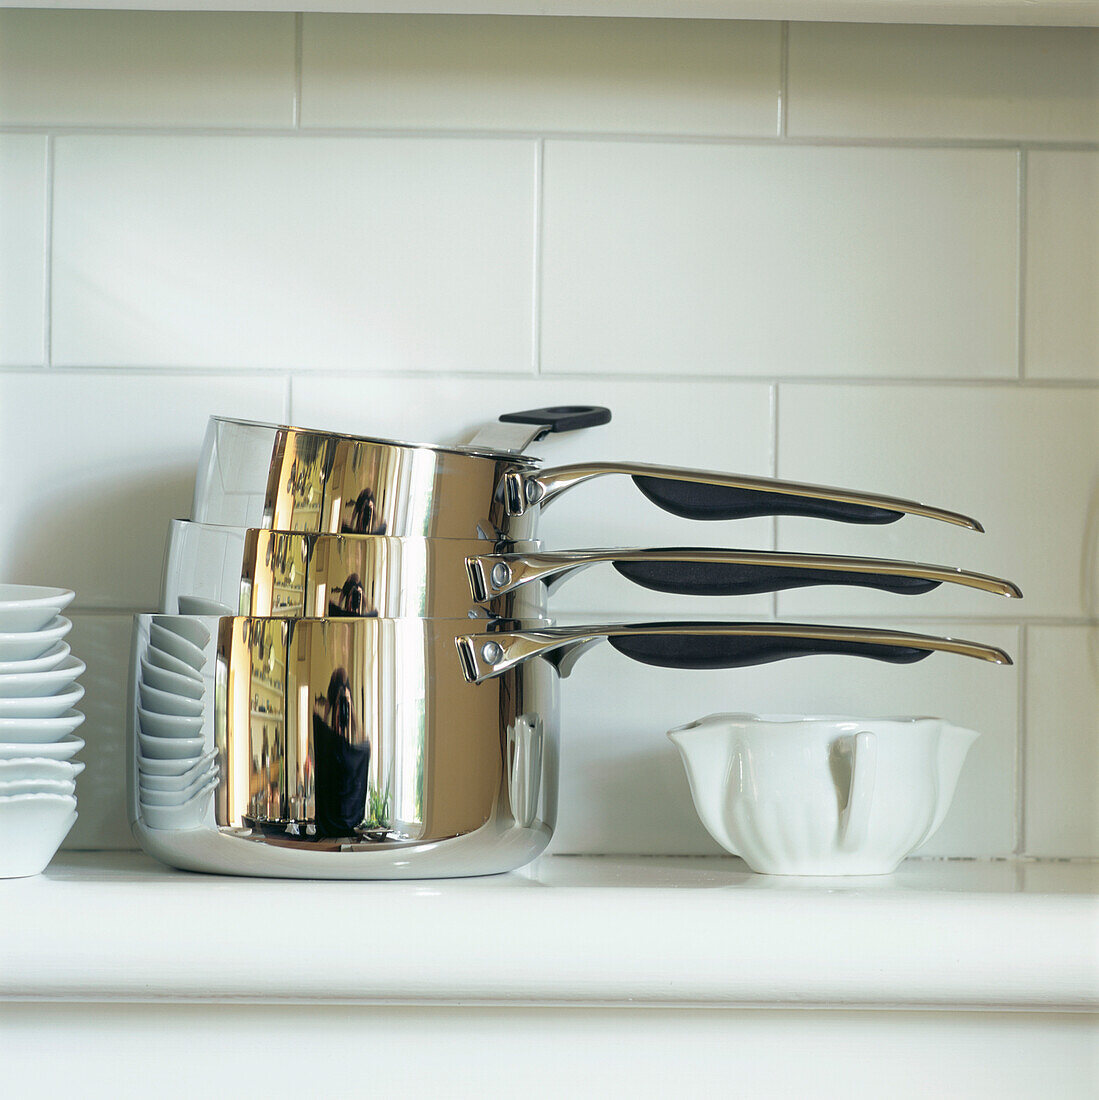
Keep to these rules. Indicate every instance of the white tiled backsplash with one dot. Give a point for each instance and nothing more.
(847, 254)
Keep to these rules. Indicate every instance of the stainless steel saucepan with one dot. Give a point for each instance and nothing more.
(290, 479)
(213, 569)
(358, 748)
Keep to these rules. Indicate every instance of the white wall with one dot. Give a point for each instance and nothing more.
(855, 255)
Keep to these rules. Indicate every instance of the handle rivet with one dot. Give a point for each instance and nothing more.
(533, 492)
(501, 574)
(492, 652)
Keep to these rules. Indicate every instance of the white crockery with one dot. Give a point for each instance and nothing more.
(191, 629)
(165, 702)
(164, 680)
(64, 748)
(37, 786)
(50, 659)
(39, 731)
(32, 827)
(177, 646)
(821, 795)
(171, 748)
(187, 815)
(29, 644)
(196, 605)
(38, 767)
(151, 797)
(162, 659)
(168, 725)
(26, 607)
(172, 784)
(23, 685)
(41, 706)
(148, 766)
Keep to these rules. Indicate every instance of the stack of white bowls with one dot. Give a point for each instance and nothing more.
(175, 775)
(38, 696)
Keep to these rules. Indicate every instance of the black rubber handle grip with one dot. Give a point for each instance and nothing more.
(693, 500)
(725, 579)
(562, 418)
(715, 651)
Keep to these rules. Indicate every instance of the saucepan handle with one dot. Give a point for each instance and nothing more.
(704, 645)
(516, 431)
(714, 571)
(709, 495)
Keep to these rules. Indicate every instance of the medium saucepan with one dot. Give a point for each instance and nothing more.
(290, 479)
(357, 748)
(212, 569)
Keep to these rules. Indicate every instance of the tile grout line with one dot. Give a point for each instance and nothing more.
(1020, 742)
(536, 275)
(299, 19)
(784, 79)
(47, 273)
(288, 399)
(774, 474)
(1021, 262)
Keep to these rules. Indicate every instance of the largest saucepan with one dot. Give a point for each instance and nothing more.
(291, 479)
(361, 748)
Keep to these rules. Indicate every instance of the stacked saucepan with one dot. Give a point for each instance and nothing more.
(369, 675)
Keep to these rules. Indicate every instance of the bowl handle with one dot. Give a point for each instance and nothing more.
(856, 814)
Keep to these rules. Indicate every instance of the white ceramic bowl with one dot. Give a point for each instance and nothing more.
(25, 685)
(161, 658)
(37, 786)
(50, 659)
(156, 701)
(821, 795)
(196, 605)
(179, 647)
(187, 815)
(171, 748)
(150, 797)
(32, 827)
(168, 725)
(172, 682)
(148, 766)
(39, 731)
(206, 768)
(191, 629)
(41, 706)
(64, 748)
(28, 644)
(38, 767)
(30, 607)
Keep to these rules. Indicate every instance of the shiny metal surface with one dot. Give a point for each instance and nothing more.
(550, 484)
(493, 575)
(287, 479)
(212, 569)
(353, 748)
(485, 656)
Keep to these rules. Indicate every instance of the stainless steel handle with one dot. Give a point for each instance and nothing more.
(722, 645)
(724, 494)
(492, 575)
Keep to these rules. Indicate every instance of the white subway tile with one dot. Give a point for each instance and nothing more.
(97, 464)
(137, 68)
(897, 81)
(627, 75)
(373, 254)
(1022, 461)
(22, 248)
(102, 642)
(702, 425)
(1061, 322)
(623, 788)
(737, 260)
(1061, 813)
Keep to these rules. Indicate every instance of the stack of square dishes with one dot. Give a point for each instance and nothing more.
(38, 694)
(174, 772)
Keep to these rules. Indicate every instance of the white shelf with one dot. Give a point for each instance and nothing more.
(1063, 13)
(574, 931)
